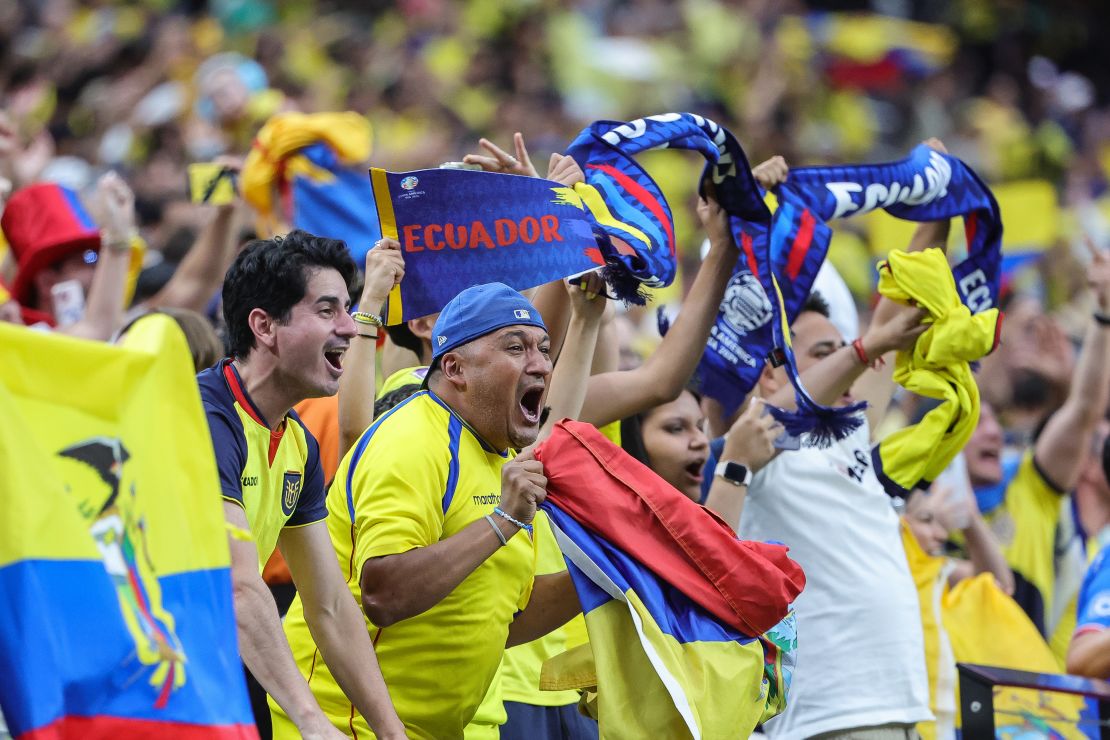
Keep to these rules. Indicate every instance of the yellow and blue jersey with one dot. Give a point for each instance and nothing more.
(417, 476)
(274, 475)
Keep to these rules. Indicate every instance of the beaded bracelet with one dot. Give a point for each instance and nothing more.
(526, 527)
(497, 529)
(367, 319)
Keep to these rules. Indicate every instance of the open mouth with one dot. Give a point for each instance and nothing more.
(694, 470)
(530, 405)
(334, 356)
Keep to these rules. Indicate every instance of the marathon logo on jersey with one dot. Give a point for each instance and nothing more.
(290, 492)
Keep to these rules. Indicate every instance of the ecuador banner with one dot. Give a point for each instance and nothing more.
(118, 618)
(460, 228)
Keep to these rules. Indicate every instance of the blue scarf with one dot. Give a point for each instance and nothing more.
(635, 229)
(785, 255)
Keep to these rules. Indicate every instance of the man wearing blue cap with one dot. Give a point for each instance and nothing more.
(425, 514)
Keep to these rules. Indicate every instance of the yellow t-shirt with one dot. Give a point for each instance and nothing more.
(417, 476)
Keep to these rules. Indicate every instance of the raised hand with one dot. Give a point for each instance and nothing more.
(498, 160)
(893, 326)
(564, 170)
(587, 298)
(115, 211)
(751, 440)
(934, 143)
(771, 173)
(713, 218)
(385, 268)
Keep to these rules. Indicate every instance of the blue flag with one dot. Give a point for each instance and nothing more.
(460, 228)
(335, 206)
(786, 254)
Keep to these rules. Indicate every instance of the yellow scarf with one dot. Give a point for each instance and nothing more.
(936, 367)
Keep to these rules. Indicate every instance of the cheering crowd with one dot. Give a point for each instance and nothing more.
(392, 570)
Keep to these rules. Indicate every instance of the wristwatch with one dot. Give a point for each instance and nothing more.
(734, 472)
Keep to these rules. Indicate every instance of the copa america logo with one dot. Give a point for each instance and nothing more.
(745, 306)
(409, 182)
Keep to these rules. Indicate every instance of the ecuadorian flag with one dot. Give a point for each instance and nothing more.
(665, 667)
(117, 617)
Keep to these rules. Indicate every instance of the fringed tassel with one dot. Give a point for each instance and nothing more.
(623, 284)
(618, 273)
(820, 426)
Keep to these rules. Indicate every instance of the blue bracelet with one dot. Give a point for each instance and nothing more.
(526, 527)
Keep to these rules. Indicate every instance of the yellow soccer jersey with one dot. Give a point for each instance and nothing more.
(419, 475)
(1025, 524)
(275, 476)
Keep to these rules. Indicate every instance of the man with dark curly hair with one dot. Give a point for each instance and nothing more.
(285, 303)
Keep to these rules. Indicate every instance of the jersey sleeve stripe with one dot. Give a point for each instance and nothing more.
(454, 429)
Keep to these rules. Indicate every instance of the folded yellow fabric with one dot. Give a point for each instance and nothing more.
(273, 156)
(937, 367)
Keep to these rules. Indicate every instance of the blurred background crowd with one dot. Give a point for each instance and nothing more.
(1016, 89)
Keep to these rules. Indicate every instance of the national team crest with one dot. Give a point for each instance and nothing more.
(290, 492)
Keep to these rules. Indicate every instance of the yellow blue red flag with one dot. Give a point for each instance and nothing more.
(665, 666)
(114, 563)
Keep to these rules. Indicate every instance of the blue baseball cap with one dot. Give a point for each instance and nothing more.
(477, 311)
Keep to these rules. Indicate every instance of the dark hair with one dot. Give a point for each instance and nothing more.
(816, 302)
(272, 274)
(632, 430)
(402, 336)
(394, 397)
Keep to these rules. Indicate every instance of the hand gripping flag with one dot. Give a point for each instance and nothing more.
(302, 171)
(926, 186)
(635, 228)
(691, 628)
(118, 618)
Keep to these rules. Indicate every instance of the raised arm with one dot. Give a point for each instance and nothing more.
(1062, 446)
(202, 270)
(385, 267)
(262, 644)
(984, 552)
(572, 370)
(616, 395)
(337, 626)
(115, 211)
(751, 443)
(828, 379)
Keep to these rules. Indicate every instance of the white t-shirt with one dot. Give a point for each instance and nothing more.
(861, 658)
